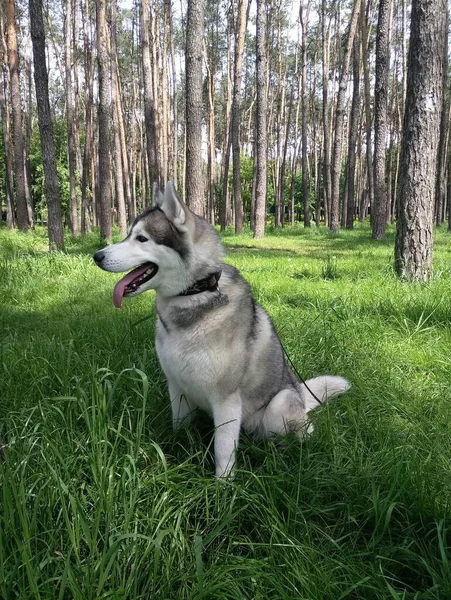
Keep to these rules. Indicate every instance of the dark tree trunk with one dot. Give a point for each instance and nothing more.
(413, 248)
(379, 213)
(149, 100)
(52, 191)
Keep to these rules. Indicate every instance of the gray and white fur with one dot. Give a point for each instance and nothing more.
(218, 349)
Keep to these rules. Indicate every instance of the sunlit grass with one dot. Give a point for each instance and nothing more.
(100, 499)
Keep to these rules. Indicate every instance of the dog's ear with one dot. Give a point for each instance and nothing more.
(173, 207)
(157, 196)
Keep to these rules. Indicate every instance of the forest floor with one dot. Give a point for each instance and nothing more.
(100, 499)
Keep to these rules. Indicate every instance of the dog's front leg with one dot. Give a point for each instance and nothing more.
(227, 420)
(181, 408)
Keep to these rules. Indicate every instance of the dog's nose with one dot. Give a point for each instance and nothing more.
(99, 256)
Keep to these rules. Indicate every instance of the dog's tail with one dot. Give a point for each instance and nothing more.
(323, 388)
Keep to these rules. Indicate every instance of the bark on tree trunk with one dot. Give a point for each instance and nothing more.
(240, 34)
(52, 191)
(440, 190)
(73, 213)
(305, 171)
(261, 142)
(16, 105)
(4, 106)
(86, 193)
(117, 148)
(104, 119)
(339, 122)
(194, 184)
(327, 181)
(353, 133)
(149, 99)
(413, 248)
(379, 213)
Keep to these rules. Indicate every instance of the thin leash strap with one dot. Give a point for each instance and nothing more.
(301, 379)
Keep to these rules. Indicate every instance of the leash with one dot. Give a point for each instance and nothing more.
(301, 379)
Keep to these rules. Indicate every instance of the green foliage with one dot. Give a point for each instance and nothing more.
(100, 499)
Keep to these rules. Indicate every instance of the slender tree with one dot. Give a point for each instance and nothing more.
(261, 144)
(16, 105)
(149, 98)
(55, 222)
(4, 107)
(413, 248)
(194, 184)
(104, 120)
(379, 213)
(353, 135)
(304, 19)
(339, 120)
(73, 212)
(240, 34)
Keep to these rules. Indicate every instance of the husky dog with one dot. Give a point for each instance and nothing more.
(217, 346)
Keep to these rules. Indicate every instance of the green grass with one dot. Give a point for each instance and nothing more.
(100, 499)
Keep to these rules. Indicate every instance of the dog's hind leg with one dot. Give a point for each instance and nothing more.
(182, 410)
(227, 420)
(284, 413)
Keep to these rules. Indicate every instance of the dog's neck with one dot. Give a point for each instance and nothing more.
(207, 284)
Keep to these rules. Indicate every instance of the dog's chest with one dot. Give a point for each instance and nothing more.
(191, 361)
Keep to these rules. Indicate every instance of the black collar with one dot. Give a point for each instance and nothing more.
(208, 284)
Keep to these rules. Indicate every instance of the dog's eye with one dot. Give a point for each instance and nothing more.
(141, 238)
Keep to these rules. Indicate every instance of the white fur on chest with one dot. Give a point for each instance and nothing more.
(191, 362)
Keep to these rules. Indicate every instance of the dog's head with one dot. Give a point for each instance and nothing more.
(168, 247)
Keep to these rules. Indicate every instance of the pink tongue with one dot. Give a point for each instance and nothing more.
(120, 286)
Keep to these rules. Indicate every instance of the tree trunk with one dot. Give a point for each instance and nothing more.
(86, 193)
(260, 124)
(305, 171)
(117, 148)
(73, 213)
(440, 189)
(211, 143)
(240, 35)
(175, 137)
(353, 133)
(52, 191)
(104, 119)
(379, 213)
(149, 99)
(413, 248)
(4, 107)
(16, 105)
(194, 185)
(339, 122)
(365, 37)
(327, 176)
